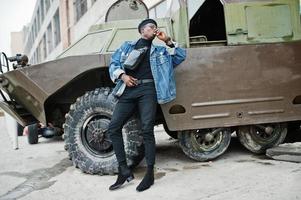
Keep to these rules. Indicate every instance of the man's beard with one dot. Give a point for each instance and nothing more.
(152, 37)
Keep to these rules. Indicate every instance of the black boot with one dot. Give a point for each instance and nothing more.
(147, 181)
(124, 174)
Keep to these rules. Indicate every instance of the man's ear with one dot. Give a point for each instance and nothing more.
(142, 31)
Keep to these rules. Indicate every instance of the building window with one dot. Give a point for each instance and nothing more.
(36, 57)
(39, 53)
(29, 42)
(57, 30)
(49, 39)
(44, 49)
(38, 17)
(35, 28)
(80, 8)
(42, 11)
(33, 58)
(32, 34)
(47, 4)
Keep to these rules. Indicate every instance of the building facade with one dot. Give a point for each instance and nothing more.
(55, 24)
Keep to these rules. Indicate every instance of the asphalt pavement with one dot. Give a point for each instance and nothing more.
(44, 172)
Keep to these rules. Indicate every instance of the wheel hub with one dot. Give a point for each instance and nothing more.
(269, 130)
(207, 139)
(95, 135)
(264, 132)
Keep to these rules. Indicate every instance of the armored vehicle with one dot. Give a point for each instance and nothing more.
(242, 74)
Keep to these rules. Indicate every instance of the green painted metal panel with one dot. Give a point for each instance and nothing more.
(262, 22)
(107, 37)
(93, 42)
(180, 26)
(120, 35)
(128, 34)
(269, 21)
(126, 30)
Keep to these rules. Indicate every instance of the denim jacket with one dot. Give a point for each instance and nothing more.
(162, 62)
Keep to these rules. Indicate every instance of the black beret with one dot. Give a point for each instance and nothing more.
(144, 22)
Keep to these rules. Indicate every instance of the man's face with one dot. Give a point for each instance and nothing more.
(148, 31)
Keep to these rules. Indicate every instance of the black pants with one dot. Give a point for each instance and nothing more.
(141, 98)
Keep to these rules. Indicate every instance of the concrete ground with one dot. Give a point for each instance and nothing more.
(43, 171)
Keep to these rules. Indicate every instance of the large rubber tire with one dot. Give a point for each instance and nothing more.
(33, 134)
(197, 149)
(96, 108)
(173, 134)
(255, 139)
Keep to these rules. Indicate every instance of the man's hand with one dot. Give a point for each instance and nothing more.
(162, 36)
(129, 80)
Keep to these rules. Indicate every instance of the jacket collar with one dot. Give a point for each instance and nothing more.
(133, 43)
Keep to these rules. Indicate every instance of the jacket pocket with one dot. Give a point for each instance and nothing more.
(161, 59)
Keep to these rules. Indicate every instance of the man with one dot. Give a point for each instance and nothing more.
(140, 89)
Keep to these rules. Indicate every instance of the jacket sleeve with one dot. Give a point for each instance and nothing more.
(115, 68)
(178, 55)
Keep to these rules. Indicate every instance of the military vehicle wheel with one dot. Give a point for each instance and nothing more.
(258, 138)
(33, 133)
(173, 134)
(204, 144)
(87, 139)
